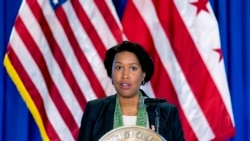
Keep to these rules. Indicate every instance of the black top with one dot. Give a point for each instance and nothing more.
(99, 114)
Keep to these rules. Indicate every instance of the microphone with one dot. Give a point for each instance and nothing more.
(151, 101)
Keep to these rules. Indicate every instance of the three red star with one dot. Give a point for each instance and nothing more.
(201, 5)
(219, 51)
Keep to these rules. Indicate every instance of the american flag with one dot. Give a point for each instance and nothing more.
(56, 50)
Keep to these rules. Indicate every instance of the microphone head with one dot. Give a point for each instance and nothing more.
(142, 101)
(146, 101)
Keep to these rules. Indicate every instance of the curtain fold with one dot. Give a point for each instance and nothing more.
(16, 122)
(234, 20)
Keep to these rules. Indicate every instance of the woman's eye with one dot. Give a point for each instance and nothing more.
(118, 67)
(133, 68)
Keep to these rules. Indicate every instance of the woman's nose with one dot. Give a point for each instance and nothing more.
(125, 74)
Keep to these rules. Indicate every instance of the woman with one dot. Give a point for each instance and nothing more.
(129, 66)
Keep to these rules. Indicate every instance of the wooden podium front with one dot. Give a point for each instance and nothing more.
(132, 133)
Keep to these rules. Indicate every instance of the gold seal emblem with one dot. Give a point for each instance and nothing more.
(132, 133)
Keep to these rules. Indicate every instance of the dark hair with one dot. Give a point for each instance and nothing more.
(144, 58)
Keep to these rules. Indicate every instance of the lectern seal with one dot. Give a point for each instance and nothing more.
(131, 133)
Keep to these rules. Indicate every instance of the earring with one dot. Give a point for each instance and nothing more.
(143, 82)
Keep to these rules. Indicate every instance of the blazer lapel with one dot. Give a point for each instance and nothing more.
(109, 116)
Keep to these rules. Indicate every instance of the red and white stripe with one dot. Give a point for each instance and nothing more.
(58, 56)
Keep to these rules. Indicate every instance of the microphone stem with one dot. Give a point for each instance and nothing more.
(157, 120)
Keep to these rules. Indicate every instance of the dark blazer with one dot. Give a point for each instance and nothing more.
(99, 114)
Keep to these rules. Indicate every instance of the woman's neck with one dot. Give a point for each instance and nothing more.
(129, 106)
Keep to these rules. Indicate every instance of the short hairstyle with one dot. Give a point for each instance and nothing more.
(144, 58)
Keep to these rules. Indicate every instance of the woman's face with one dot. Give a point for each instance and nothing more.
(127, 74)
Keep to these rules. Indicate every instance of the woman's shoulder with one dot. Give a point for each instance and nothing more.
(169, 110)
(96, 106)
(101, 101)
(167, 105)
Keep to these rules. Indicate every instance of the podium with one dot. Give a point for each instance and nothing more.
(132, 133)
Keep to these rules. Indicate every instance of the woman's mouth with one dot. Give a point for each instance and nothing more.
(125, 85)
